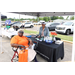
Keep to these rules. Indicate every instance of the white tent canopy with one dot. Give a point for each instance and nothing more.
(41, 14)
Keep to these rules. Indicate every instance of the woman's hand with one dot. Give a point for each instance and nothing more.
(38, 36)
(31, 43)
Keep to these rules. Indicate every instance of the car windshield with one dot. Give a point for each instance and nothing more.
(28, 23)
(48, 24)
(18, 23)
(67, 23)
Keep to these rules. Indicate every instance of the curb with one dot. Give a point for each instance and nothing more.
(67, 41)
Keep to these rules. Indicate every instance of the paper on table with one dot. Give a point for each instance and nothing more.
(58, 42)
(37, 38)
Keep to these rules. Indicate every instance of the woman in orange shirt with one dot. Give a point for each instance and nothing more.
(20, 40)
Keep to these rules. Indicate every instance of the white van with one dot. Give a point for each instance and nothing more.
(66, 28)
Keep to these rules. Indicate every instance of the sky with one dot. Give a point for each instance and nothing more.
(16, 16)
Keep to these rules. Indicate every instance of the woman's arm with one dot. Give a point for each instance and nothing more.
(47, 32)
(31, 43)
(39, 32)
(15, 45)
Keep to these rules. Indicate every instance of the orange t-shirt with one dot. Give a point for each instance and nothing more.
(20, 40)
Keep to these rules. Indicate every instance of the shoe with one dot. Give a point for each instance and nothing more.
(35, 59)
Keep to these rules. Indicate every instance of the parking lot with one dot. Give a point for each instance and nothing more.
(37, 27)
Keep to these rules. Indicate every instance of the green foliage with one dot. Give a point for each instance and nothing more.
(40, 18)
(56, 17)
(3, 19)
(67, 17)
(60, 17)
(72, 18)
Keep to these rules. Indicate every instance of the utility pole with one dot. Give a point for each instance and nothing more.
(19, 17)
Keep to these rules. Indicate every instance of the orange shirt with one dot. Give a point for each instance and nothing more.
(20, 40)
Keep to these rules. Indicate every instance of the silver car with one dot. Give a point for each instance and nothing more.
(52, 25)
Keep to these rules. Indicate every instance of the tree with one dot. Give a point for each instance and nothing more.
(61, 17)
(67, 17)
(46, 19)
(72, 18)
(54, 17)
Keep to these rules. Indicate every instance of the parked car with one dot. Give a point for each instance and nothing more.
(9, 32)
(13, 23)
(39, 23)
(19, 24)
(52, 25)
(28, 24)
(66, 28)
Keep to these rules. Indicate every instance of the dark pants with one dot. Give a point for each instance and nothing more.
(35, 59)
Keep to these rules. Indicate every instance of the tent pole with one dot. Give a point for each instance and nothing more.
(1, 35)
(73, 48)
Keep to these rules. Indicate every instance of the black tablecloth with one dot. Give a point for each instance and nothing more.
(49, 51)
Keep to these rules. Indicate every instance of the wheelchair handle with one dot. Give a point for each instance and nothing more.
(21, 47)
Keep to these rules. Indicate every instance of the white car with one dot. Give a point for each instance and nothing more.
(39, 23)
(66, 28)
(19, 24)
(9, 32)
(28, 24)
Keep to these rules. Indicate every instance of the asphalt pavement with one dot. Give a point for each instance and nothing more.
(36, 28)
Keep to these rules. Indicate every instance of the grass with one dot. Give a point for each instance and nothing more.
(63, 37)
(30, 31)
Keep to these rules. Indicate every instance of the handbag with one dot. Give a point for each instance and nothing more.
(23, 56)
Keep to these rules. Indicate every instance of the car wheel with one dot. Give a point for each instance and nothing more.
(31, 26)
(67, 32)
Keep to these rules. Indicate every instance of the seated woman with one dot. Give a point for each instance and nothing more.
(20, 40)
(44, 31)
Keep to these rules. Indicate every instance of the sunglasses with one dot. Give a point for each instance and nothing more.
(21, 32)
